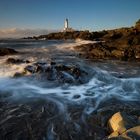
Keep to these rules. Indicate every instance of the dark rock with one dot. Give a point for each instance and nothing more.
(31, 69)
(61, 67)
(40, 63)
(52, 63)
(16, 61)
(117, 123)
(76, 96)
(17, 74)
(65, 77)
(130, 134)
(133, 133)
(60, 73)
(51, 74)
(7, 51)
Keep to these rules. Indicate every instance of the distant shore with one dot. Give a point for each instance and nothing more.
(120, 44)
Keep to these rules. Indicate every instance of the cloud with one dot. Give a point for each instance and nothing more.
(18, 33)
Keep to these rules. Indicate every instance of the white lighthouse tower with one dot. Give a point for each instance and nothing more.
(66, 26)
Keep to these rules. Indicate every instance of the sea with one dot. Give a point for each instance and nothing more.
(53, 110)
(108, 79)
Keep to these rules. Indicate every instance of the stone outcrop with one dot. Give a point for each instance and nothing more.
(123, 126)
(117, 123)
(132, 133)
(104, 50)
(52, 71)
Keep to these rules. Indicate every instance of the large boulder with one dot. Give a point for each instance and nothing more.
(61, 73)
(130, 134)
(133, 133)
(120, 122)
(117, 123)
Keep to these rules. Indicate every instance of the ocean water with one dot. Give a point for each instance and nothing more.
(109, 85)
(108, 79)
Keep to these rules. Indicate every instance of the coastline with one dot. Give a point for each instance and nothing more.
(54, 84)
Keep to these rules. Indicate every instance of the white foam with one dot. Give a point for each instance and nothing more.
(70, 46)
(102, 85)
(97, 89)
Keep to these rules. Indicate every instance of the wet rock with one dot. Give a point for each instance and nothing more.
(31, 69)
(60, 73)
(16, 61)
(37, 118)
(94, 51)
(25, 121)
(76, 96)
(132, 134)
(61, 67)
(65, 77)
(51, 74)
(18, 74)
(7, 51)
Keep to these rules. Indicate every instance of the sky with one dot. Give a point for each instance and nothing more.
(43, 16)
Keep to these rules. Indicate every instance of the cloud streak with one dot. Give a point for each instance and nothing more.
(18, 33)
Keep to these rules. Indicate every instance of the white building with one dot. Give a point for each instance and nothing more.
(66, 26)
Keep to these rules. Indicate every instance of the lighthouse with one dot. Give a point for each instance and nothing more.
(66, 26)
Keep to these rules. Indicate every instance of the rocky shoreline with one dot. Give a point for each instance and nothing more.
(51, 118)
(25, 116)
(41, 118)
(120, 44)
(104, 51)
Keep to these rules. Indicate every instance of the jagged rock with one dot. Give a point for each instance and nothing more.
(58, 72)
(117, 123)
(7, 51)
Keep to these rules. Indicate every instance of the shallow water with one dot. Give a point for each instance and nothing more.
(109, 85)
(108, 79)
